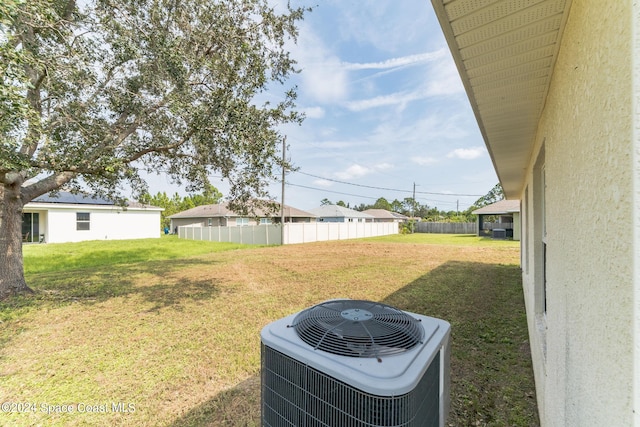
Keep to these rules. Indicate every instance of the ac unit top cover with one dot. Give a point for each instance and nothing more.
(371, 346)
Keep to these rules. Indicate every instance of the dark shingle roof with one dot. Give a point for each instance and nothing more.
(222, 210)
(70, 198)
(384, 214)
(336, 211)
(67, 198)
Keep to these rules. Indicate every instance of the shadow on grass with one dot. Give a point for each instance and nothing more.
(93, 285)
(238, 406)
(491, 374)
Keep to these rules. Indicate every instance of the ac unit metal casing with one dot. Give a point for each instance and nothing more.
(306, 383)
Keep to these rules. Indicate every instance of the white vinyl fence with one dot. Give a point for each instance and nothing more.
(293, 232)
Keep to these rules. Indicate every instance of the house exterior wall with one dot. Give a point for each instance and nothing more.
(577, 200)
(198, 222)
(516, 226)
(635, 196)
(300, 219)
(332, 219)
(59, 224)
(343, 219)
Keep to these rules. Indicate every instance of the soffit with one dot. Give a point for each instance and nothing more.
(505, 51)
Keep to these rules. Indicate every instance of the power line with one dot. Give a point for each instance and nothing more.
(351, 183)
(435, 202)
(330, 191)
(388, 189)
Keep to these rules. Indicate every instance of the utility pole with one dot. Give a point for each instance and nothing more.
(413, 203)
(284, 148)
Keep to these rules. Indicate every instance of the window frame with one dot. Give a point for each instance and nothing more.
(83, 223)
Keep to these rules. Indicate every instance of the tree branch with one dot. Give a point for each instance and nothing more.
(164, 148)
(43, 186)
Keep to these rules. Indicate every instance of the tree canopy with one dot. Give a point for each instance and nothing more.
(494, 195)
(96, 94)
(177, 203)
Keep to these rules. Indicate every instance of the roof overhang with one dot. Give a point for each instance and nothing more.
(505, 51)
(499, 208)
(87, 206)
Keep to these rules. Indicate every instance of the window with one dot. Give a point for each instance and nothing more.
(543, 186)
(539, 246)
(242, 222)
(265, 221)
(83, 220)
(210, 222)
(31, 227)
(524, 236)
(540, 234)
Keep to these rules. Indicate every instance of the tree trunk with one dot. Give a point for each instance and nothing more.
(12, 280)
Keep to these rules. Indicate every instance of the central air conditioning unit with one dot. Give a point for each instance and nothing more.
(352, 363)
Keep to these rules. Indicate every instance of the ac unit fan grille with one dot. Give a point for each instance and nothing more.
(294, 394)
(357, 328)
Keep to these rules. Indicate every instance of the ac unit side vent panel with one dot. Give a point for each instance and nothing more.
(294, 394)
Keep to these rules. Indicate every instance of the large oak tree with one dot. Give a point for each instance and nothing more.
(96, 94)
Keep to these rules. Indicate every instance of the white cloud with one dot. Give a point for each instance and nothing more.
(382, 101)
(358, 171)
(439, 80)
(322, 183)
(383, 24)
(383, 166)
(424, 160)
(397, 62)
(324, 79)
(325, 82)
(354, 171)
(467, 153)
(314, 112)
(444, 78)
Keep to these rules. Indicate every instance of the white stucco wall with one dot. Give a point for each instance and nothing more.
(106, 223)
(516, 226)
(635, 24)
(582, 348)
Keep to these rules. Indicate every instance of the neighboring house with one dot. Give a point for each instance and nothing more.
(555, 88)
(67, 217)
(336, 213)
(508, 215)
(221, 215)
(383, 215)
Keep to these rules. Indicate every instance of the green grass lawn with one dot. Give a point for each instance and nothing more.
(72, 256)
(447, 239)
(169, 329)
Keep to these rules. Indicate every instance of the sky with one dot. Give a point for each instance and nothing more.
(385, 109)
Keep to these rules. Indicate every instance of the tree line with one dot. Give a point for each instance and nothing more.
(177, 203)
(407, 206)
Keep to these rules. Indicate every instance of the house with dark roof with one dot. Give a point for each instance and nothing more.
(337, 213)
(220, 215)
(66, 217)
(383, 215)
